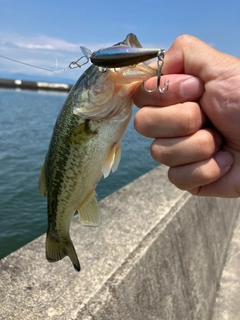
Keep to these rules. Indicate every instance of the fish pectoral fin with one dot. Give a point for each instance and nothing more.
(89, 212)
(57, 250)
(117, 158)
(80, 134)
(42, 183)
(112, 160)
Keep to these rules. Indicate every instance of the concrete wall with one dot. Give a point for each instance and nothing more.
(227, 306)
(158, 254)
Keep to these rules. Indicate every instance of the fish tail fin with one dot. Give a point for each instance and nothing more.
(57, 250)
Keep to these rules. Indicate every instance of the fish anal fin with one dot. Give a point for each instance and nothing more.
(112, 160)
(89, 212)
(42, 183)
(56, 250)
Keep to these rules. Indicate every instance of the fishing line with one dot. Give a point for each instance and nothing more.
(33, 66)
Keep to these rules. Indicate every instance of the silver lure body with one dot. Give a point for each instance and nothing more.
(126, 53)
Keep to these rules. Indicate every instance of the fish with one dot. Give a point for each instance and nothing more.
(121, 55)
(86, 145)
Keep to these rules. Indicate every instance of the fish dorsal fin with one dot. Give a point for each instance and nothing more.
(42, 183)
(89, 212)
(112, 160)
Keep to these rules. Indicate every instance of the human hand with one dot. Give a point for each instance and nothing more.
(196, 123)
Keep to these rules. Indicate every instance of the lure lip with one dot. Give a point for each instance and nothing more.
(122, 56)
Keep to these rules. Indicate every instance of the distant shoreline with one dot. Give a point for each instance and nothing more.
(34, 85)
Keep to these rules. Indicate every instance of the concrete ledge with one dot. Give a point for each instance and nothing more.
(158, 254)
(34, 85)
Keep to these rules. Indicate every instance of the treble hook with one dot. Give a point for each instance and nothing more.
(160, 63)
(75, 64)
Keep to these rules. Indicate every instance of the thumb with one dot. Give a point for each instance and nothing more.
(192, 56)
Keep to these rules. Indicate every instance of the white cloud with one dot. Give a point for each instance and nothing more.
(41, 51)
(36, 42)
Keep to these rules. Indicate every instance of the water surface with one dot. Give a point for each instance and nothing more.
(26, 122)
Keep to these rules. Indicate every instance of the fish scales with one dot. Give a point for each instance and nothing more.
(84, 146)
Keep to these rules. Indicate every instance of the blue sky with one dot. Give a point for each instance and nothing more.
(47, 33)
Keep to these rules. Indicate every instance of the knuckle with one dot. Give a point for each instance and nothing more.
(206, 143)
(190, 121)
(139, 121)
(161, 153)
(144, 122)
(184, 39)
(171, 176)
(175, 179)
(155, 151)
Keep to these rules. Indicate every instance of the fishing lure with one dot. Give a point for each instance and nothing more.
(120, 56)
(126, 53)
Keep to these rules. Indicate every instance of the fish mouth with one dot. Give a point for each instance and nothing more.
(138, 73)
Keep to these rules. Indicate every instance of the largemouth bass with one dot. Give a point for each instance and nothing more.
(84, 146)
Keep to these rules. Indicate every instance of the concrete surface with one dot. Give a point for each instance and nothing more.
(227, 305)
(158, 254)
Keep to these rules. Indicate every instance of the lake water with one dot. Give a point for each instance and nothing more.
(26, 122)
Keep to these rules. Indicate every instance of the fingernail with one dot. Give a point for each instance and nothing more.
(191, 88)
(224, 159)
